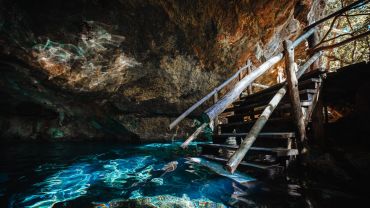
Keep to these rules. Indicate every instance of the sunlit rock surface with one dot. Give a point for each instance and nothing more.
(108, 69)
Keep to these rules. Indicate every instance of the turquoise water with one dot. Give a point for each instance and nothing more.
(100, 174)
(94, 174)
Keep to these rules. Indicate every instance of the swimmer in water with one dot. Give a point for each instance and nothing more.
(169, 167)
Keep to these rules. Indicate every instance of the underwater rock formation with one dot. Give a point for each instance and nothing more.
(124, 69)
(164, 201)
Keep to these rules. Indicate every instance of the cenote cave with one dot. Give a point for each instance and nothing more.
(184, 103)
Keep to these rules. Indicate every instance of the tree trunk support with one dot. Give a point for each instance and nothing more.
(292, 82)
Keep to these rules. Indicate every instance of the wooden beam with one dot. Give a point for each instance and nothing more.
(193, 136)
(233, 95)
(238, 156)
(292, 82)
(208, 96)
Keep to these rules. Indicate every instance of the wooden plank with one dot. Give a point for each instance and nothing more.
(243, 163)
(281, 107)
(280, 152)
(218, 168)
(285, 119)
(262, 105)
(277, 135)
(305, 79)
(266, 95)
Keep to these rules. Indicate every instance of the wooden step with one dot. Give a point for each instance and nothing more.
(277, 135)
(266, 139)
(279, 124)
(279, 152)
(243, 163)
(263, 99)
(305, 84)
(240, 112)
(262, 105)
(253, 121)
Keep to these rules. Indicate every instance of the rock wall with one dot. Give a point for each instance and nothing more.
(124, 68)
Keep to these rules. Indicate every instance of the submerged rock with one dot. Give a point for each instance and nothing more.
(164, 201)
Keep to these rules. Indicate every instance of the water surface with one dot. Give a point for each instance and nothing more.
(88, 174)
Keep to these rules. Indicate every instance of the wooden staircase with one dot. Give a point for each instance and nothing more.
(267, 129)
(276, 144)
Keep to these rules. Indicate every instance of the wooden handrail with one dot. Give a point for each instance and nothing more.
(238, 156)
(233, 95)
(247, 82)
(208, 96)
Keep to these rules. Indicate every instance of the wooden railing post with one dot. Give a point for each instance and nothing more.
(249, 70)
(292, 82)
(215, 99)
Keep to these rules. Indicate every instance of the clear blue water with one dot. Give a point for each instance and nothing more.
(99, 173)
(89, 174)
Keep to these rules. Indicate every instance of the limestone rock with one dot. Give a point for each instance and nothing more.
(142, 59)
